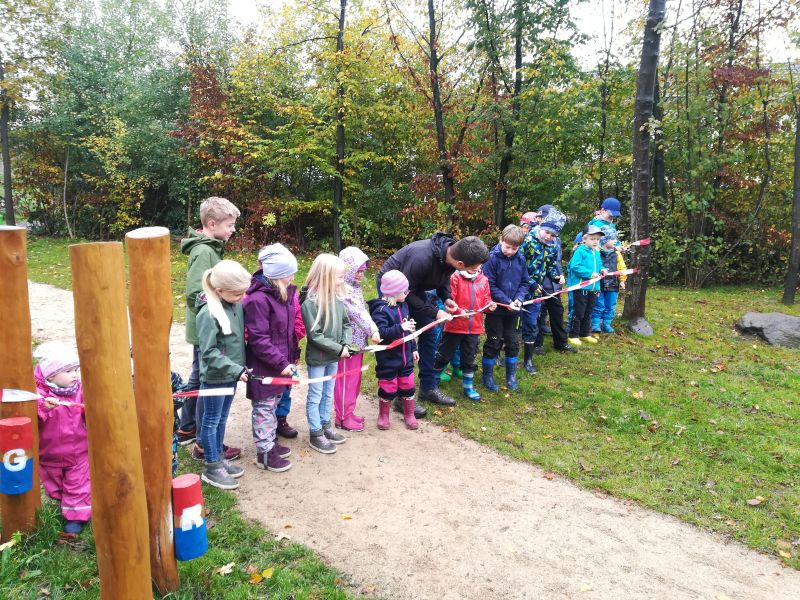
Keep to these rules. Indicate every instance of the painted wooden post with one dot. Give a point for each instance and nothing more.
(18, 511)
(16, 447)
(119, 509)
(191, 534)
(150, 310)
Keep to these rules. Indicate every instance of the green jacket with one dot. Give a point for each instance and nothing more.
(221, 356)
(203, 252)
(325, 347)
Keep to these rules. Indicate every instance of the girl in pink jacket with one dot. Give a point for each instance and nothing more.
(63, 441)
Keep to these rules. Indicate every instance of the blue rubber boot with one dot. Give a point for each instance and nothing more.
(511, 374)
(607, 328)
(488, 375)
(469, 391)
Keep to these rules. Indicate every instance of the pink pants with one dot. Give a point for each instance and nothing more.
(71, 487)
(402, 385)
(346, 389)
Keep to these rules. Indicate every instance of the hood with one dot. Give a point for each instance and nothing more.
(535, 234)
(375, 304)
(353, 259)
(196, 238)
(496, 250)
(441, 242)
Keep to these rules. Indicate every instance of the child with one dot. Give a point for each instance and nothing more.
(529, 220)
(508, 281)
(285, 404)
(220, 332)
(471, 292)
(329, 339)
(63, 441)
(394, 368)
(272, 348)
(346, 389)
(204, 249)
(609, 209)
(585, 264)
(606, 305)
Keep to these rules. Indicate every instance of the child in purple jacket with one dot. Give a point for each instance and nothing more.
(272, 348)
(63, 440)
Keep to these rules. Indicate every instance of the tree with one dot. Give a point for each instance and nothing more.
(338, 181)
(634, 310)
(790, 284)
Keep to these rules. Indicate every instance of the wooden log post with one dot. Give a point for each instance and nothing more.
(18, 511)
(115, 461)
(150, 310)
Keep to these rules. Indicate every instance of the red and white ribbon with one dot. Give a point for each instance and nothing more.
(306, 381)
(205, 392)
(580, 285)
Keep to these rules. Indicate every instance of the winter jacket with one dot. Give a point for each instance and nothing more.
(508, 278)
(549, 285)
(271, 340)
(612, 261)
(424, 263)
(541, 259)
(325, 347)
(389, 320)
(354, 303)
(582, 265)
(63, 439)
(299, 326)
(203, 253)
(222, 358)
(469, 294)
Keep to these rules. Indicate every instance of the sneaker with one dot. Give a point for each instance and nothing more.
(198, 453)
(272, 461)
(567, 348)
(229, 452)
(282, 451)
(437, 397)
(575, 341)
(588, 339)
(320, 443)
(539, 350)
(233, 470)
(216, 475)
(333, 436)
(73, 527)
(186, 437)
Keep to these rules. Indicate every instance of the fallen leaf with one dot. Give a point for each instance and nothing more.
(785, 554)
(586, 587)
(756, 501)
(632, 377)
(288, 526)
(643, 415)
(753, 409)
(654, 425)
(438, 412)
(8, 544)
(44, 591)
(255, 579)
(282, 536)
(267, 573)
(548, 436)
(483, 428)
(693, 383)
(550, 476)
(676, 462)
(346, 517)
(370, 589)
(639, 395)
(445, 429)
(583, 466)
(225, 569)
(785, 544)
(251, 569)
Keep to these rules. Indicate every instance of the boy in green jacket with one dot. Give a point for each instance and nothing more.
(204, 249)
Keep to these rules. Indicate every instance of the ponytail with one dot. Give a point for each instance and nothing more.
(226, 275)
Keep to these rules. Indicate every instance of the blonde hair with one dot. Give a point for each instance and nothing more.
(513, 235)
(281, 286)
(217, 209)
(390, 300)
(227, 275)
(322, 287)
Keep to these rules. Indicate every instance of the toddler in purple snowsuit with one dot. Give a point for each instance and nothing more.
(63, 440)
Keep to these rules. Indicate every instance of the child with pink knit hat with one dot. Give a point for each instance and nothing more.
(63, 440)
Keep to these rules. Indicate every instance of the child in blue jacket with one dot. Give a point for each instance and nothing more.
(585, 264)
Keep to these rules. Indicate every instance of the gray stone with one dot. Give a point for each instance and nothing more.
(640, 326)
(775, 328)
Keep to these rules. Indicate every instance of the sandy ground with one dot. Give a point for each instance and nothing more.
(429, 514)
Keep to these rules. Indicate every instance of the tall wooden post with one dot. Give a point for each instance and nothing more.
(17, 512)
(150, 309)
(115, 461)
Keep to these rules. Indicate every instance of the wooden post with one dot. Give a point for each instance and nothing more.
(17, 512)
(150, 309)
(115, 461)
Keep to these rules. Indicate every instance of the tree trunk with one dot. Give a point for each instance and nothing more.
(338, 182)
(64, 197)
(441, 138)
(659, 175)
(5, 118)
(634, 311)
(790, 285)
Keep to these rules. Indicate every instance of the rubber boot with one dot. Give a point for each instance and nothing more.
(408, 413)
(488, 375)
(528, 360)
(469, 391)
(607, 328)
(384, 408)
(511, 373)
(348, 421)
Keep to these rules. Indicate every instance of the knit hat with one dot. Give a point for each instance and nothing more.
(277, 262)
(55, 358)
(528, 217)
(608, 234)
(554, 221)
(544, 209)
(612, 205)
(393, 283)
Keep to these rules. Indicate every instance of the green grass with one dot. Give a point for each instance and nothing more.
(40, 565)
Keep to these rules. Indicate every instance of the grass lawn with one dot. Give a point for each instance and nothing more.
(696, 422)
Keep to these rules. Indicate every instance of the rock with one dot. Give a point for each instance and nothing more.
(775, 328)
(640, 326)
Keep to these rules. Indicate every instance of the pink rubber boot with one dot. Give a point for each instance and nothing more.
(408, 413)
(384, 408)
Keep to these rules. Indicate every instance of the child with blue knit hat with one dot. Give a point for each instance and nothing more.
(606, 303)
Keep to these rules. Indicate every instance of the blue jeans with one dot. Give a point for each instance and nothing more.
(320, 396)
(215, 417)
(284, 404)
(605, 308)
(530, 322)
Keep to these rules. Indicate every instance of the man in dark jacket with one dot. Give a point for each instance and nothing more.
(428, 264)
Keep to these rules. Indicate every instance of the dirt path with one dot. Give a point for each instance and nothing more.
(438, 516)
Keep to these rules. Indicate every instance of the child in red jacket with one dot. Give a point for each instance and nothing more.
(471, 292)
